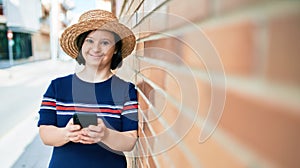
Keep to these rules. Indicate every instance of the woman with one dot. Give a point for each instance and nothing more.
(99, 42)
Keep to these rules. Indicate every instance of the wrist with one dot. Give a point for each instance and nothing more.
(64, 134)
(107, 133)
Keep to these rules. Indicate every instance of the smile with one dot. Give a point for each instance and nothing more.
(96, 56)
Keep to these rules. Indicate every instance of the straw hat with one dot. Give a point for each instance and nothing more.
(92, 20)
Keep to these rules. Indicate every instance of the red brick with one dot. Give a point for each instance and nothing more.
(284, 48)
(230, 5)
(139, 48)
(173, 87)
(177, 157)
(210, 153)
(156, 74)
(162, 162)
(155, 123)
(143, 147)
(146, 89)
(182, 13)
(205, 96)
(268, 128)
(235, 44)
(189, 54)
(165, 49)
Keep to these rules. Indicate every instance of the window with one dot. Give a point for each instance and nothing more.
(1, 7)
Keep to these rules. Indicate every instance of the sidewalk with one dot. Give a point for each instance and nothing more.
(21, 88)
(35, 155)
(6, 63)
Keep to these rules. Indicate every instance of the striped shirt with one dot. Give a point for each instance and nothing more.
(113, 100)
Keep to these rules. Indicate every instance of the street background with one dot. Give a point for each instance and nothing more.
(22, 87)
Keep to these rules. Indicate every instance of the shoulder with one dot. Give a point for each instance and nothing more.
(121, 82)
(63, 78)
(123, 87)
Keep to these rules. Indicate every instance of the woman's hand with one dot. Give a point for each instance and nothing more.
(72, 132)
(93, 133)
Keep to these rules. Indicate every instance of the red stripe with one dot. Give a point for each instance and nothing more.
(96, 110)
(111, 111)
(49, 103)
(130, 107)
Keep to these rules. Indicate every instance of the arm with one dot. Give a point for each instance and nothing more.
(120, 141)
(55, 136)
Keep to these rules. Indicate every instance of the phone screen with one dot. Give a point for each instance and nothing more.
(85, 119)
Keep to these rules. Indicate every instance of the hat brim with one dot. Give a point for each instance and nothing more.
(69, 36)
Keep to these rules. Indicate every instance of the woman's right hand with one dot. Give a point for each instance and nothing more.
(72, 132)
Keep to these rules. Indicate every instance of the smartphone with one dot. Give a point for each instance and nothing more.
(85, 119)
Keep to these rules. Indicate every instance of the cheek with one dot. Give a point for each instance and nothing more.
(84, 48)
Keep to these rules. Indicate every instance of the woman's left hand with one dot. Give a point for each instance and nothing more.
(94, 134)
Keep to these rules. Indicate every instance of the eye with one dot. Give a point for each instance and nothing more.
(88, 40)
(105, 43)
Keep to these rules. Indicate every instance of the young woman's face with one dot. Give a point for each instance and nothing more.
(98, 48)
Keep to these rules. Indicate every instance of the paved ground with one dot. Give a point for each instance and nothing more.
(35, 155)
(21, 90)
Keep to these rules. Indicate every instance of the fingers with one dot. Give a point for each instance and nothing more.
(72, 132)
(71, 126)
(93, 134)
(89, 135)
(90, 140)
(74, 137)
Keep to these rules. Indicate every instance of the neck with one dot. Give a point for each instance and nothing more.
(94, 75)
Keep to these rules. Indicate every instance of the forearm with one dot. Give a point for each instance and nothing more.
(120, 141)
(52, 135)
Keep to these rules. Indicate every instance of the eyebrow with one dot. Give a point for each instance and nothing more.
(101, 38)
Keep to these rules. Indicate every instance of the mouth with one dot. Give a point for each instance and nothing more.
(96, 56)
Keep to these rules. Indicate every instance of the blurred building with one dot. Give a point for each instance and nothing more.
(31, 24)
(218, 82)
(21, 18)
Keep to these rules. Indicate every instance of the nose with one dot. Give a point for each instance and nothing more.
(96, 47)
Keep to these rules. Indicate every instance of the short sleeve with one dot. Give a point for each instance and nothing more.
(130, 110)
(47, 112)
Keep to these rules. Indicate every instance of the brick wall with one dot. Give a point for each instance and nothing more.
(218, 82)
